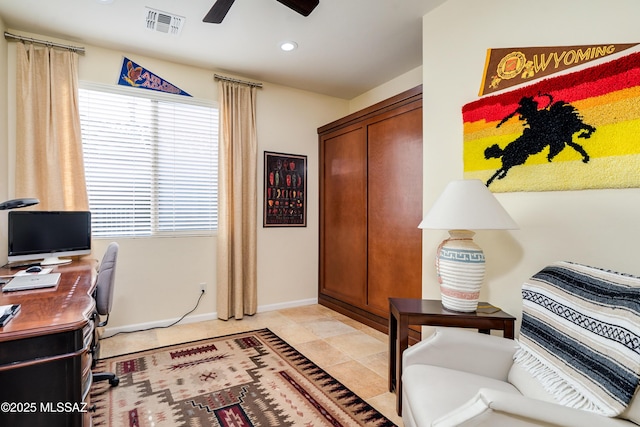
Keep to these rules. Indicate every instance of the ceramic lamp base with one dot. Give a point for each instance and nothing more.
(460, 265)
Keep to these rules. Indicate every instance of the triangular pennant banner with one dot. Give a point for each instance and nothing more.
(506, 67)
(132, 74)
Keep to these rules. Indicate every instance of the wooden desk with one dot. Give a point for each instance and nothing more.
(45, 364)
(408, 311)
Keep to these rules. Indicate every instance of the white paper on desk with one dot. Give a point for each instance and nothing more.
(24, 272)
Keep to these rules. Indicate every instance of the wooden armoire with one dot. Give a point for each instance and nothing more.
(370, 208)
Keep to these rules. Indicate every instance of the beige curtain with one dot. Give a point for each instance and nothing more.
(49, 162)
(237, 217)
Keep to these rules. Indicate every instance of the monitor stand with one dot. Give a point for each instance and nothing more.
(55, 261)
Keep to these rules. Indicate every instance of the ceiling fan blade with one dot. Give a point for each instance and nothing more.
(303, 7)
(218, 11)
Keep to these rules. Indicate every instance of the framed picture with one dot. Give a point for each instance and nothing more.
(285, 190)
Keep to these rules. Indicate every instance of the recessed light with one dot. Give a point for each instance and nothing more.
(104, 1)
(288, 46)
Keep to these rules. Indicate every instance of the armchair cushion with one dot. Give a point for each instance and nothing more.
(429, 392)
(580, 336)
(493, 408)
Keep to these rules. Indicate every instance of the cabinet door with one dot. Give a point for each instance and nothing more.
(394, 208)
(343, 217)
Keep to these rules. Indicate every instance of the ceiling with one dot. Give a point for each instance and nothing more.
(345, 47)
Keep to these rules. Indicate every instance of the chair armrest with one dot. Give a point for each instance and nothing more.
(488, 404)
(486, 355)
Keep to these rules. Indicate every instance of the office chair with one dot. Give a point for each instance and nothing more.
(104, 300)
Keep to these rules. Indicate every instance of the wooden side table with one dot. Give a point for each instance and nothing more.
(409, 311)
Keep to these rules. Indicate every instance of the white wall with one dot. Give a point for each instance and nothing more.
(596, 227)
(288, 120)
(403, 82)
(158, 279)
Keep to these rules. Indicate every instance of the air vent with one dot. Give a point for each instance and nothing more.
(163, 22)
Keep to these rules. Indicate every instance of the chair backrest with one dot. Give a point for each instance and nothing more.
(106, 279)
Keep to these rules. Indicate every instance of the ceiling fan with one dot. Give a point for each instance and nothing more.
(221, 7)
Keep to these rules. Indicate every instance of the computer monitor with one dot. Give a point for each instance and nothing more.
(48, 235)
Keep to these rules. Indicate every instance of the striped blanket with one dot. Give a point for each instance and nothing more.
(580, 336)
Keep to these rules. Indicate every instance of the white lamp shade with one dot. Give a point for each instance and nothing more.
(467, 205)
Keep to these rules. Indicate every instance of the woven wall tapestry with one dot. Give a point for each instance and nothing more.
(576, 131)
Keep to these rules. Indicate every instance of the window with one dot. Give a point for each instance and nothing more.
(151, 162)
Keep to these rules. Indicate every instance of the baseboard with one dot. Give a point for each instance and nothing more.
(200, 318)
(108, 332)
(290, 304)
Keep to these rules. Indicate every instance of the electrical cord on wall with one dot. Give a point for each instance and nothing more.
(160, 327)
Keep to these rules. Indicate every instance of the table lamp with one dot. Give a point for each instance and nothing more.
(464, 205)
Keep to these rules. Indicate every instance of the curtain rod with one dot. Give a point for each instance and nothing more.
(13, 37)
(229, 79)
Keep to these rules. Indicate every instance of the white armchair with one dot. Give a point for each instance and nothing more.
(461, 378)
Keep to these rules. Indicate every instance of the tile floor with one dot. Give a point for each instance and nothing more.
(351, 352)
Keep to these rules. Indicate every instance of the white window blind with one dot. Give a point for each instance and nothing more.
(151, 163)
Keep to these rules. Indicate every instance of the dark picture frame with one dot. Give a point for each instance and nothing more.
(285, 190)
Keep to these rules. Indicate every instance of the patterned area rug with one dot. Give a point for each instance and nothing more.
(247, 379)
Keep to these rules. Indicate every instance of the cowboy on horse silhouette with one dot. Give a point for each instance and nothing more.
(552, 126)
